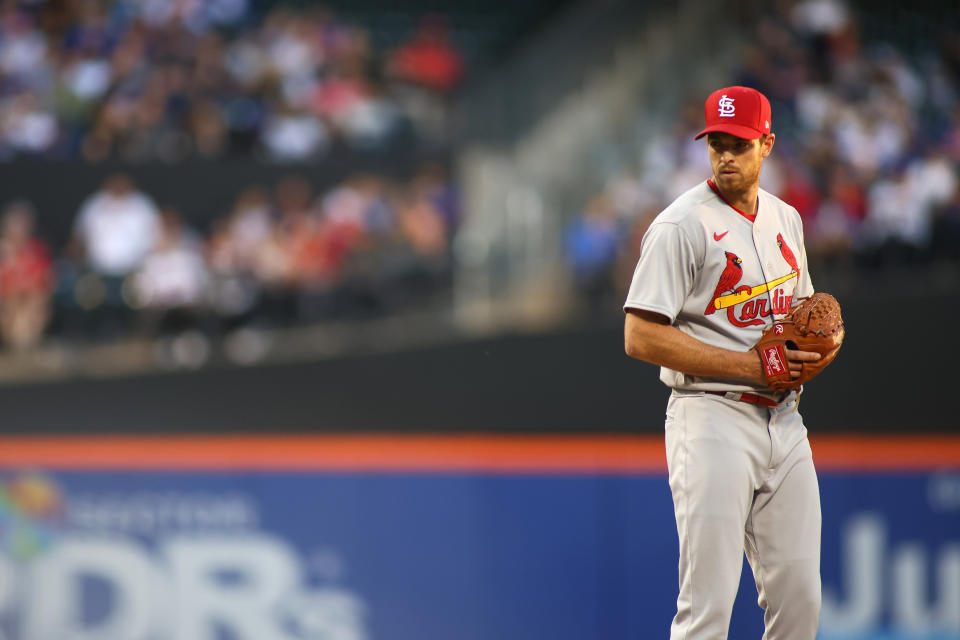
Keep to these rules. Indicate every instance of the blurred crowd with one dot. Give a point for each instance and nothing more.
(867, 150)
(281, 256)
(168, 79)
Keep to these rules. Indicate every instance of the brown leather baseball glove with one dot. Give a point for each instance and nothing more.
(813, 325)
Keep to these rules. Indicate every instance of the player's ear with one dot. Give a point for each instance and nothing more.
(766, 144)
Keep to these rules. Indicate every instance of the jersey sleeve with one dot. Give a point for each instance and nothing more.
(665, 272)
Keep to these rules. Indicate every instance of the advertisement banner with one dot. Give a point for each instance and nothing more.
(427, 539)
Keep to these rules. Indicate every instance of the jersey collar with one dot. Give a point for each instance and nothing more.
(748, 216)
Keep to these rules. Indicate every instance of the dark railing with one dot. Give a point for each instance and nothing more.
(565, 381)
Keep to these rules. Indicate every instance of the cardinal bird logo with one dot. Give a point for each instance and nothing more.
(787, 253)
(728, 280)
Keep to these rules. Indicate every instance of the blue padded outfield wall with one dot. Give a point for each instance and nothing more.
(341, 555)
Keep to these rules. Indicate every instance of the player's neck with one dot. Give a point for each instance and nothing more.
(744, 201)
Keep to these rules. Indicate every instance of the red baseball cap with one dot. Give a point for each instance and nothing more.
(739, 111)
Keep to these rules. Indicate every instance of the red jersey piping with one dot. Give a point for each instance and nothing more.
(750, 217)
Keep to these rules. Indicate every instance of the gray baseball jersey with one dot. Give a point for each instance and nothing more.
(719, 274)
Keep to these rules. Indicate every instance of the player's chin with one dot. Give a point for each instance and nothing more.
(729, 179)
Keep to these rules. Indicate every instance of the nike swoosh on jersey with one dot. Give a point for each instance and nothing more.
(719, 236)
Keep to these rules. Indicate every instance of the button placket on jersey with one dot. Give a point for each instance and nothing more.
(765, 267)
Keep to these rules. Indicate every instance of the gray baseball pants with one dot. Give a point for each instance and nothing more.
(743, 481)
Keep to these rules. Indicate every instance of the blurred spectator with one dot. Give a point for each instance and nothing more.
(26, 127)
(591, 243)
(273, 262)
(117, 227)
(294, 135)
(801, 192)
(897, 228)
(170, 292)
(373, 123)
(869, 139)
(426, 69)
(26, 279)
(409, 260)
(24, 50)
(234, 243)
(629, 197)
(429, 59)
(834, 228)
(933, 179)
(172, 280)
(114, 232)
(820, 18)
(433, 184)
(232, 250)
(422, 225)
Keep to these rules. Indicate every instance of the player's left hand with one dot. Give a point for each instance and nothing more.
(797, 347)
(796, 358)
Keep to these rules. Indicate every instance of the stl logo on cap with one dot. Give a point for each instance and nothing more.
(743, 112)
(725, 107)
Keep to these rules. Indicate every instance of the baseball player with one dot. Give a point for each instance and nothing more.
(716, 266)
